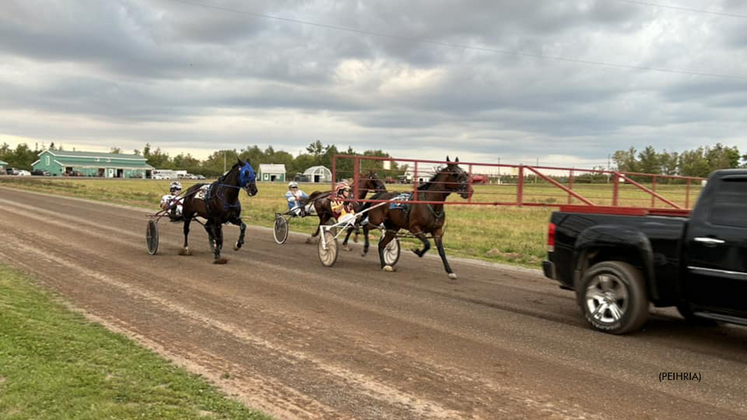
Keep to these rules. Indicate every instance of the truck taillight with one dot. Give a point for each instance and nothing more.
(551, 238)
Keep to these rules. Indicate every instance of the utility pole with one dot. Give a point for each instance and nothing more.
(224, 162)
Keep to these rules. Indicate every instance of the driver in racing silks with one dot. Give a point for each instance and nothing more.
(296, 198)
(341, 207)
(172, 202)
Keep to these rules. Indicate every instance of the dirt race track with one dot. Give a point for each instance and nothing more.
(300, 341)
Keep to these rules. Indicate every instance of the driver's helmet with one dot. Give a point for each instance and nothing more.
(341, 186)
(175, 188)
(292, 184)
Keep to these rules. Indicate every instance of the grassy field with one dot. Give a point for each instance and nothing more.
(502, 234)
(56, 365)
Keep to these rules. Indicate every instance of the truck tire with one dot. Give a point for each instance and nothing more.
(612, 297)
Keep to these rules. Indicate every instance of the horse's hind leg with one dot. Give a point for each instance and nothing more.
(185, 250)
(242, 226)
(218, 232)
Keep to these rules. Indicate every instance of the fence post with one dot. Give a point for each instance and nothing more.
(334, 171)
(687, 195)
(520, 187)
(469, 185)
(415, 182)
(570, 186)
(356, 175)
(653, 188)
(615, 188)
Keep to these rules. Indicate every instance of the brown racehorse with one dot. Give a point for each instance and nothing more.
(421, 219)
(322, 204)
(219, 206)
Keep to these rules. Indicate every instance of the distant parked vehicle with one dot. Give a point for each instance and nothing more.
(200, 177)
(22, 172)
(9, 171)
(40, 172)
(479, 179)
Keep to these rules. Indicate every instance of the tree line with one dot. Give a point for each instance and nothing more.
(316, 154)
(697, 162)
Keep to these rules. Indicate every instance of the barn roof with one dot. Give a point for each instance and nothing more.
(95, 159)
(272, 168)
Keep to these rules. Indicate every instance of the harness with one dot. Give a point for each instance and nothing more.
(406, 206)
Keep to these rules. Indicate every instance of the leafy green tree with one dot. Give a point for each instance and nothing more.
(626, 160)
(694, 163)
(649, 162)
(722, 157)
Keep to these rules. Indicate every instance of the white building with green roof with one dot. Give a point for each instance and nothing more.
(105, 165)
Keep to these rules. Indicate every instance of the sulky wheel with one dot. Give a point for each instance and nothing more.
(391, 252)
(280, 230)
(328, 255)
(151, 237)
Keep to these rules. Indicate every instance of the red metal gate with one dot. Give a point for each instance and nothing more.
(524, 185)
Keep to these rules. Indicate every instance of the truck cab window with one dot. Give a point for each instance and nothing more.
(730, 203)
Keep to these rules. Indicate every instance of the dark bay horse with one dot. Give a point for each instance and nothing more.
(421, 219)
(219, 204)
(322, 204)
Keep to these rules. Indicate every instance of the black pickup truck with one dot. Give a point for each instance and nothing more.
(618, 264)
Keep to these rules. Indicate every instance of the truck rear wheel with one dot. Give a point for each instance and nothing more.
(613, 298)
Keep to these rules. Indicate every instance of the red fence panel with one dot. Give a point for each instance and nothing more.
(524, 185)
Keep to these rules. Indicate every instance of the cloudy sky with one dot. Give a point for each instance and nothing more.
(559, 81)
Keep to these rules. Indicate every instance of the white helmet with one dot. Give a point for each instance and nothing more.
(292, 184)
(175, 186)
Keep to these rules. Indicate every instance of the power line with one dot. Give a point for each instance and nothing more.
(462, 46)
(683, 9)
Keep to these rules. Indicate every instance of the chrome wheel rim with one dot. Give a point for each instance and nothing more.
(607, 298)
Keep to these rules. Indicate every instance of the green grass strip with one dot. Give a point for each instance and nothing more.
(54, 364)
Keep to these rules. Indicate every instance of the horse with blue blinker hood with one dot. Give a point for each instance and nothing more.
(219, 204)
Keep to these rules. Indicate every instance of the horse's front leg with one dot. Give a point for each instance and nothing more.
(218, 233)
(323, 218)
(440, 245)
(366, 242)
(211, 237)
(242, 230)
(185, 250)
(426, 245)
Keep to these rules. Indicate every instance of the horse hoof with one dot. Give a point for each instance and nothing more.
(308, 240)
(363, 253)
(347, 248)
(236, 247)
(452, 276)
(417, 252)
(355, 238)
(185, 252)
(220, 261)
(388, 268)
